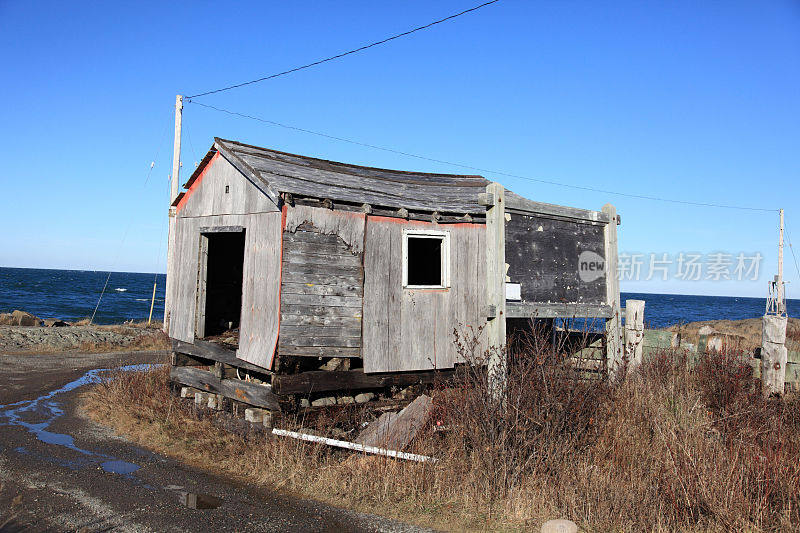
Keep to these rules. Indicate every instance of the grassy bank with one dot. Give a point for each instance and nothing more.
(748, 330)
(671, 448)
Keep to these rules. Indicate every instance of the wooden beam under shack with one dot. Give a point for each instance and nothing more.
(212, 352)
(322, 380)
(235, 389)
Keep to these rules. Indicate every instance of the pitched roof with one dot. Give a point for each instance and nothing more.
(276, 172)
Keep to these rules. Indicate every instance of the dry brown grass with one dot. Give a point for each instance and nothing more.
(138, 343)
(672, 448)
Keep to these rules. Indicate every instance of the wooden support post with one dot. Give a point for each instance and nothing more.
(614, 341)
(634, 332)
(173, 193)
(773, 354)
(496, 289)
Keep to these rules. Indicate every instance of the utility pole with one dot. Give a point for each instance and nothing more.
(781, 304)
(174, 187)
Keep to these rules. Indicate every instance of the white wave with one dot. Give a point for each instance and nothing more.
(142, 299)
(120, 289)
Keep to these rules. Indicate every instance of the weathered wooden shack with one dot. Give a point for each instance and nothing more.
(286, 267)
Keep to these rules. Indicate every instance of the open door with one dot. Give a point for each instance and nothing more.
(219, 287)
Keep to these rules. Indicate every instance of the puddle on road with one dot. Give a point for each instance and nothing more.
(37, 415)
(119, 467)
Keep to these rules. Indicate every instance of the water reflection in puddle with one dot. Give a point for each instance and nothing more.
(37, 415)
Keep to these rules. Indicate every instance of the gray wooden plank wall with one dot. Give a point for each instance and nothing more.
(209, 206)
(412, 329)
(542, 255)
(322, 288)
(207, 195)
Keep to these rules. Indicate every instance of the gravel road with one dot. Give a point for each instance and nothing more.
(73, 475)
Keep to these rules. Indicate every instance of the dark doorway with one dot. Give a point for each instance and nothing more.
(223, 282)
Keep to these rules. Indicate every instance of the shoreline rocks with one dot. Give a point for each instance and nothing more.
(23, 318)
(19, 318)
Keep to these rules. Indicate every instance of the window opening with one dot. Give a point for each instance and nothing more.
(426, 259)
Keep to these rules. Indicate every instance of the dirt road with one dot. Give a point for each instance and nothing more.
(73, 475)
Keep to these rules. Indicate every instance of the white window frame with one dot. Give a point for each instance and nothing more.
(444, 236)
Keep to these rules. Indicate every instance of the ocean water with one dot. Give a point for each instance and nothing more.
(72, 295)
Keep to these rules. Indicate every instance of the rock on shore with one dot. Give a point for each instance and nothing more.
(19, 318)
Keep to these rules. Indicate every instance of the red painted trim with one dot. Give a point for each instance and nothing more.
(195, 184)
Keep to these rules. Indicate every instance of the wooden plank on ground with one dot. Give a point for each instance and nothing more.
(395, 433)
(377, 430)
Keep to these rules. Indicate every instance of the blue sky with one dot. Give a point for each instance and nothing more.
(687, 100)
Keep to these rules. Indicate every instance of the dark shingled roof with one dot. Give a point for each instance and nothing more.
(277, 172)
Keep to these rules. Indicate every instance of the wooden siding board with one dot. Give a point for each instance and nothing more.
(324, 260)
(261, 286)
(320, 351)
(304, 320)
(542, 254)
(338, 289)
(332, 278)
(184, 286)
(307, 340)
(394, 351)
(376, 305)
(349, 330)
(320, 310)
(324, 300)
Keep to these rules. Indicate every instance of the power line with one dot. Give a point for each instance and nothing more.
(796, 266)
(343, 54)
(479, 169)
